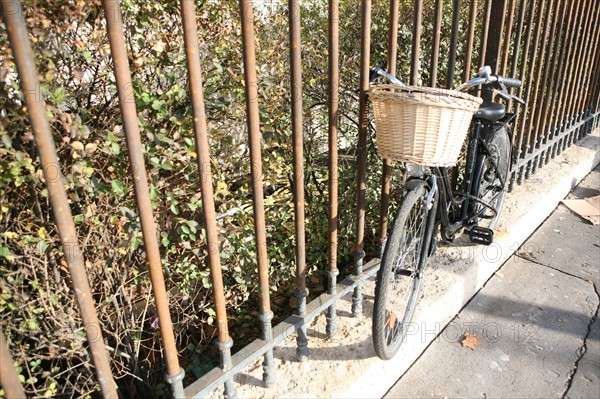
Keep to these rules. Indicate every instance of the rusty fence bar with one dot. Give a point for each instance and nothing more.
(470, 38)
(527, 76)
(392, 54)
(266, 315)
(516, 51)
(190, 36)
(485, 32)
(23, 54)
(506, 45)
(517, 136)
(114, 27)
(579, 107)
(559, 78)
(541, 133)
(577, 86)
(553, 66)
(298, 156)
(363, 129)
(494, 37)
(9, 379)
(573, 78)
(453, 43)
(569, 77)
(557, 95)
(592, 79)
(435, 47)
(538, 83)
(567, 74)
(333, 116)
(416, 42)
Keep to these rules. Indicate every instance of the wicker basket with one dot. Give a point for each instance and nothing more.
(421, 124)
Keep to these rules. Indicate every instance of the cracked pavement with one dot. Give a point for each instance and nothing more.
(536, 320)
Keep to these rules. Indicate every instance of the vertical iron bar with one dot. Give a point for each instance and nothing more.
(552, 84)
(573, 79)
(563, 97)
(506, 42)
(554, 126)
(334, 83)
(23, 55)
(529, 66)
(518, 39)
(494, 39)
(470, 38)
(435, 48)
(363, 127)
(392, 52)
(190, 36)
(453, 43)
(9, 379)
(416, 42)
(588, 79)
(572, 109)
(515, 65)
(484, 32)
(580, 63)
(298, 142)
(586, 100)
(595, 91)
(539, 83)
(114, 27)
(260, 233)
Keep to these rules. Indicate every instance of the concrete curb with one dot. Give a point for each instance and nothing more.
(459, 271)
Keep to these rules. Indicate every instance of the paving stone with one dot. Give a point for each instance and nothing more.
(530, 321)
(586, 381)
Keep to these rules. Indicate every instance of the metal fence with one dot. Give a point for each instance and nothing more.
(552, 45)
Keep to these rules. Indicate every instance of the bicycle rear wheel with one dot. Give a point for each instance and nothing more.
(494, 178)
(398, 280)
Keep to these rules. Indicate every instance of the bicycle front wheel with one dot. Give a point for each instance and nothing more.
(398, 280)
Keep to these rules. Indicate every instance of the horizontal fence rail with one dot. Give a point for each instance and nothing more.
(551, 45)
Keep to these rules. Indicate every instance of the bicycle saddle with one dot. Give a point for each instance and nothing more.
(490, 111)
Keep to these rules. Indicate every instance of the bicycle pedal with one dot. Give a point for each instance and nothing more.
(481, 235)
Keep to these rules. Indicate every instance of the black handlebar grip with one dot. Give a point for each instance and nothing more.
(509, 82)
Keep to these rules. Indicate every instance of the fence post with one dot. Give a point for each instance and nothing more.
(494, 36)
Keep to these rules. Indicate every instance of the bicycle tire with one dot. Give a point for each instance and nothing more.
(490, 188)
(399, 267)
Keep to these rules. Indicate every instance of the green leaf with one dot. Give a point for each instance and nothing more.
(153, 193)
(117, 186)
(7, 140)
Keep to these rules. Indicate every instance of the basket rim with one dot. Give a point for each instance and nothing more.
(386, 87)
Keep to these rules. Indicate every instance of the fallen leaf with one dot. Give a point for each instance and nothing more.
(470, 341)
(77, 145)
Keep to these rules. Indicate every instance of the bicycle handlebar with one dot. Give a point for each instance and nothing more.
(509, 82)
(498, 84)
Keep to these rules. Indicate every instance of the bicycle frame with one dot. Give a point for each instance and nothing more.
(456, 210)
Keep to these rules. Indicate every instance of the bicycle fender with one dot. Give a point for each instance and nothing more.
(414, 183)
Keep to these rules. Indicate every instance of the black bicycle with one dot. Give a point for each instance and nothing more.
(429, 206)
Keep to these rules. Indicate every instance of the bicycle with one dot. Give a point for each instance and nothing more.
(430, 206)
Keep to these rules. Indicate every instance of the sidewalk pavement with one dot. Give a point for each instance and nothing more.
(535, 322)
